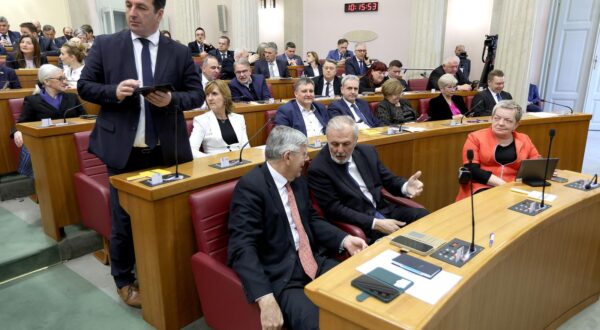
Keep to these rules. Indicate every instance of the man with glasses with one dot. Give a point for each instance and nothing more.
(449, 66)
(328, 84)
(247, 86)
(359, 63)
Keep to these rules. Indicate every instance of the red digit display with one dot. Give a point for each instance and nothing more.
(358, 7)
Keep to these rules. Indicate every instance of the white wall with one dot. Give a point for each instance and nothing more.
(467, 23)
(325, 22)
(270, 25)
(53, 12)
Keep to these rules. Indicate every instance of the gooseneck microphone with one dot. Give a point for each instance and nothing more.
(593, 182)
(560, 105)
(71, 109)
(470, 158)
(551, 132)
(472, 111)
(240, 160)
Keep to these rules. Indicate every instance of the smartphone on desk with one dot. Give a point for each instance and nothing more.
(375, 288)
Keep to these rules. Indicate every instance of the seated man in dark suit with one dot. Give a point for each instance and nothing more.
(247, 86)
(395, 71)
(341, 53)
(271, 67)
(67, 34)
(351, 105)
(289, 55)
(47, 48)
(485, 101)
(8, 78)
(199, 45)
(303, 113)
(450, 66)
(50, 36)
(277, 241)
(225, 57)
(328, 84)
(359, 63)
(346, 179)
(7, 37)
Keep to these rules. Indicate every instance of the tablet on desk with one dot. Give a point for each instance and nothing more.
(531, 171)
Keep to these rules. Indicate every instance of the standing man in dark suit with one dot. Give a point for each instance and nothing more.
(359, 63)
(271, 67)
(485, 101)
(328, 84)
(199, 46)
(303, 113)
(449, 66)
(351, 105)
(277, 241)
(289, 55)
(247, 86)
(346, 179)
(225, 57)
(7, 37)
(134, 132)
(341, 53)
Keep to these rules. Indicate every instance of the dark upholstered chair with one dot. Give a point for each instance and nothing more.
(92, 192)
(16, 107)
(270, 118)
(417, 84)
(224, 304)
(373, 106)
(423, 110)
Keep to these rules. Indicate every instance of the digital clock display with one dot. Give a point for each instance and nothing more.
(359, 7)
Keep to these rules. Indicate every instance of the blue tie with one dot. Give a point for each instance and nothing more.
(148, 79)
(360, 115)
(498, 97)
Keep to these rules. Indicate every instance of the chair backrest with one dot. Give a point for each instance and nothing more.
(373, 106)
(270, 87)
(341, 70)
(210, 212)
(469, 101)
(16, 107)
(417, 84)
(270, 118)
(189, 124)
(423, 110)
(89, 164)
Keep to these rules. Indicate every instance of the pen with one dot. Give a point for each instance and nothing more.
(492, 236)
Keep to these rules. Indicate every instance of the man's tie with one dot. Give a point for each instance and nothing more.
(253, 92)
(223, 56)
(498, 97)
(360, 67)
(360, 114)
(4, 37)
(271, 70)
(307, 259)
(346, 167)
(327, 89)
(148, 79)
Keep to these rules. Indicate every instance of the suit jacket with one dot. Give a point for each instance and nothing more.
(484, 102)
(60, 41)
(35, 109)
(48, 47)
(226, 63)
(340, 108)
(320, 85)
(207, 133)
(261, 247)
(9, 75)
(116, 125)
(193, 46)
(440, 110)
(262, 67)
(334, 54)
(14, 37)
(435, 75)
(339, 196)
(366, 85)
(352, 67)
(290, 115)
(296, 58)
(310, 72)
(239, 92)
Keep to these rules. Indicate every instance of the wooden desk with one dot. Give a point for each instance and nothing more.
(540, 271)
(54, 160)
(295, 70)
(283, 88)
(27, 77)
(52, 60)
(161, 221)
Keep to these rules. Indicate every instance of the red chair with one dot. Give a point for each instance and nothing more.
(270, 118)
(219, 288)
(189, 125)
(15, 106)
(270, 87)
(373, 106)
(423, 110)
(469, 101)
(341, 70)
(93, 194)
(417, 84)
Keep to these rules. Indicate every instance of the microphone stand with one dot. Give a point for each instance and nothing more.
(560, 105)
(552, 132)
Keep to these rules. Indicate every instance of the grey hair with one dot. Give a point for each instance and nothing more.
(239, 52)
(272, 45)
(338, 123)
(360, 44)
(48, 27)
(3, 19)
(209, 57)
(303, 81)
(241, 61)
(452, 58)
(46, 71)
(283, 139)
(349, 77)
(78, 32)
(509, 105)
(447, 80)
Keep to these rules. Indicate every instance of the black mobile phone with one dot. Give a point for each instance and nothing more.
(559, 179)
(151, 89)
(375, 288)
(403, 241)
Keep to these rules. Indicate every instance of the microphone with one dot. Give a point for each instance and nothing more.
(551, 132)
(560, 105)
(472, 111)
(470, 158)
(589, 185)
(71, 109)
(240, 160)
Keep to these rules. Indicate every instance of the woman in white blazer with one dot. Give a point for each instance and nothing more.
(218, 130)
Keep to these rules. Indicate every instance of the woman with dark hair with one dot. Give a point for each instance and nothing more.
(49, 100)
(28, 54)
(218, 130)
(314, 68)
(373, 79)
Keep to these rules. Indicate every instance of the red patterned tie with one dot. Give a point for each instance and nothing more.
(307, 258)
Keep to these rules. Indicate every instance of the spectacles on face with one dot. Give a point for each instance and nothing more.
(63, 79)
(361, 50)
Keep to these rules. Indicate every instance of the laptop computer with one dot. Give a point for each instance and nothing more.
(531, 171)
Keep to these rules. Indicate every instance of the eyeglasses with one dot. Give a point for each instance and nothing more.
(59, 79)
(360, 50)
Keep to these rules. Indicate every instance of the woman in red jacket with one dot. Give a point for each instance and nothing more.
(497, 150)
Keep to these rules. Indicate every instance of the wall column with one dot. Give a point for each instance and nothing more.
(428, 21)
(187, 19)
(293, 28)
(244, 28)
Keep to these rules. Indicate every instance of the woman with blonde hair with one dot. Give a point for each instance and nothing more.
(72, 55)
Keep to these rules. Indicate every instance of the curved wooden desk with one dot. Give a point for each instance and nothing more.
(540, 271)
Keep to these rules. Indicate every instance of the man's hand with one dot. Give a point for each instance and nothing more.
(126, 88)
(270, 313)
(353, 244)
(253, 58)
(18, 138)
(414, 187)
(388, 226)
(159, 99)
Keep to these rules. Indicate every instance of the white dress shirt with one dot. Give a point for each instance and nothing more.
(280, 183)
(275, 69)
(312, 123)
(72, 75)
(361, 124)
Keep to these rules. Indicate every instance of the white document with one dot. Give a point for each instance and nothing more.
(430, 291)
(413, 129)
(542, 114)
(535, 194)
